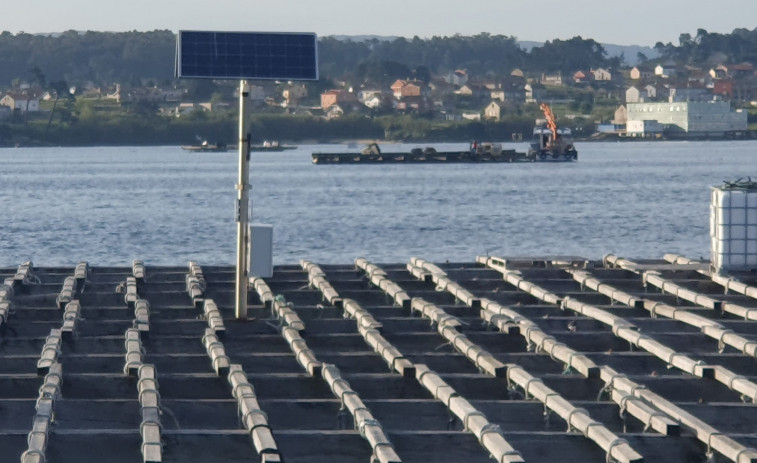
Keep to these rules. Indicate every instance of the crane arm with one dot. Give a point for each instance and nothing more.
(550, 119)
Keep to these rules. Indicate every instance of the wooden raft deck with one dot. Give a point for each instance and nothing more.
(507, 359)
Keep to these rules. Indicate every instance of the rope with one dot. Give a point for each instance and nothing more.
(528, 385)
(467, 417)
(613, 444)
(548, 410)
(569, 362)
(709, 442)
(489, 428)
(369, 422)
(609, 386)
(660, 415)
(721, 341)
(256, 411)
(591, 425)
(570, 415)
(671, 357)
(623, 405)
(636, 387)
(552, 349)
(740, 184)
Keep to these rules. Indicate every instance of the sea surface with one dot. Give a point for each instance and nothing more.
(166, 206)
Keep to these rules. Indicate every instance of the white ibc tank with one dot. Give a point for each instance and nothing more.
(733, 226)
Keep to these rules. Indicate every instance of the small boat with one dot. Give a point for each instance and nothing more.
(551, 143)
(206, 147)
(271, 146)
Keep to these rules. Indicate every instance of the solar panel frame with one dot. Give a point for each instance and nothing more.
(246, 55)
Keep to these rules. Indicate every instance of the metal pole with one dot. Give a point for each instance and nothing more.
(242, 215)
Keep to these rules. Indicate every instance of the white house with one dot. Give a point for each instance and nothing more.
(532, 94)
(634, 95)
(665, 71)
(601, 74)
(20, 101)
(375, 101)
(641, 72)
(494, 110)
(554, 80)
(334, 112)
(621, 115)
(472, 116)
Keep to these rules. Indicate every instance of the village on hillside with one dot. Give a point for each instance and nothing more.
(666, 100)
(653, 101)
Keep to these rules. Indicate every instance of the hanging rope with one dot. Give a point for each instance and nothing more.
(740, 184)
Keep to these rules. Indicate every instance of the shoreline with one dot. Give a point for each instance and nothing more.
(601, 138)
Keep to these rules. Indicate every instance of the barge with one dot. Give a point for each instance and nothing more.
(477, 153)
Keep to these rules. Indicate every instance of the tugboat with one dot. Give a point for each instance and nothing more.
(551, 143)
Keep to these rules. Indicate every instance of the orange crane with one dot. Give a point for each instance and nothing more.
(553, 144)
(551, 124)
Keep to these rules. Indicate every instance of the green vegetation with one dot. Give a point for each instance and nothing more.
(737, 47)
(132, 58)
(134, 129)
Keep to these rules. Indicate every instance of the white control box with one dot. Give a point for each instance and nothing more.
(260, 255)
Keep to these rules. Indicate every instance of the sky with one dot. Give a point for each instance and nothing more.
(640, 22)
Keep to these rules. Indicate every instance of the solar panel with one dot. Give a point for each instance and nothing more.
(247, 55)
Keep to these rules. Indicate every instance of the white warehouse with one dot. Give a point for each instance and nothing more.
(694, 118)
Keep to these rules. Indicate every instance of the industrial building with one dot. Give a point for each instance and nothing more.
(687, 118)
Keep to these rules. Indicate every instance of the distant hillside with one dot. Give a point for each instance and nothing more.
(630, 52)
(365, 38)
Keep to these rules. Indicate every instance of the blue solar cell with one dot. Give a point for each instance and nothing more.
(247, 55)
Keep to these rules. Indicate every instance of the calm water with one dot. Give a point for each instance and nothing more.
(166, 206)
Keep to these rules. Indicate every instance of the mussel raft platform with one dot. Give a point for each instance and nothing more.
(540, 359)
(432, 156)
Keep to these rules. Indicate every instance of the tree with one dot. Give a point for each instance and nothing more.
(38, 77)
(144, 108)
(422, 73)
(84, 109)
(381, 72)
(60, 88)
(568, 55)
(666, 51)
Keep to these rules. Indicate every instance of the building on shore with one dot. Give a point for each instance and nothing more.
(686, 119)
